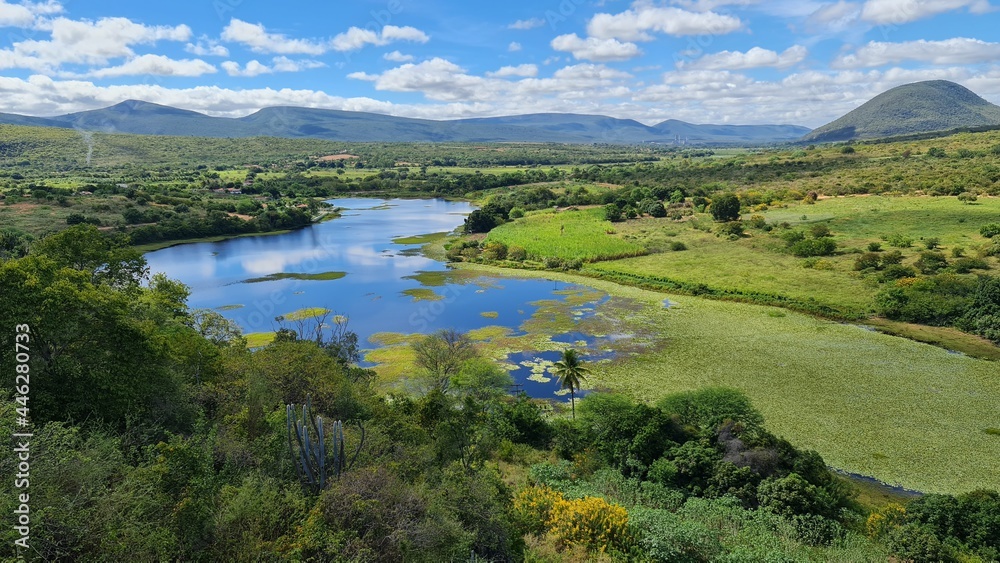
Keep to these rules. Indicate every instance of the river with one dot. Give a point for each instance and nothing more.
(380, 285)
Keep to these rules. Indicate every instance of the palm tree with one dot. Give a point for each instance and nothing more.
(570, 372)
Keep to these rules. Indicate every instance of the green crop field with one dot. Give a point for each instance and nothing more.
(580, 234)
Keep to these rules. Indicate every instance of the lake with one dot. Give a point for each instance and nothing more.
(352, 266)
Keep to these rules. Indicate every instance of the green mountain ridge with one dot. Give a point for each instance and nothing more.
(144, 118)
(921, 107)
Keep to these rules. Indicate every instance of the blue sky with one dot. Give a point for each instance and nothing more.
(705, 61)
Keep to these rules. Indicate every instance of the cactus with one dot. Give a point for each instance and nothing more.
(308, 449)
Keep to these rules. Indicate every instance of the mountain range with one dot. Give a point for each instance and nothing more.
(144, 118)
(921, 107)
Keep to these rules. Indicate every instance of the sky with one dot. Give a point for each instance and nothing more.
(802, 62)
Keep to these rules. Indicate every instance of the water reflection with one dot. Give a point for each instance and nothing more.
(378, 272)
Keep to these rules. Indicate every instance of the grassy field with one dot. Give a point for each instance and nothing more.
(582, 234)
(906, 413)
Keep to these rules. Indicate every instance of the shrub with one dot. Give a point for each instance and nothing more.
(814, 247)
(930, 262)
(967, 197)
(678, 246)
(495, 250)
(665, 537)
(899, 241)
(532, 508)
(590, 522)
(517, 253)
(847, 150)
(893, 272)
(932, 242)
(868, 260)
(990, 230)
(884, 520)
(553, 262)
(733, 230)
(874, 247)
(516, 213)
(757, 222)
(966, 265)
(936, 152)
(820, 230)
(918, 544)
(612, 213)
(892, 257)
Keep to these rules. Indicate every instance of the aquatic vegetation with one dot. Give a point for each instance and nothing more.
(324, 276)
(423, 294)
(420, 239)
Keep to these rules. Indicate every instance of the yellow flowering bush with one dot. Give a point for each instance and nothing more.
(883, 520)
(590, 522)
(532, 507)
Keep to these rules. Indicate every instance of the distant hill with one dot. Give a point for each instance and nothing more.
(144, 118)
(921, 107)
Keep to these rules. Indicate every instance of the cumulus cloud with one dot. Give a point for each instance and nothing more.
(635, 24)
(259, 40)
(155, 65)
(756, 57)
(278, 64)
(519, 70)
(514, 47)
(895, 12)
(397, 57)
(355, 38)
(595, 49)
(206, 47)
(527, 24)
(25, 14)
(87, 42)
(959, 50)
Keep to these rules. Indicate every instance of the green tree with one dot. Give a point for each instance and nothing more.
(442, 354)
(726, 207)
(570, 371)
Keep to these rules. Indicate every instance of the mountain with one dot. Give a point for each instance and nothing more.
(144, 118)
(921, 107)
(732, 133)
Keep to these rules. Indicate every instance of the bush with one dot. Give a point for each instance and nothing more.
(990, 230)
(665, 537)
(899, 241)
(612, 213)
(516, 213)
(678, 246)
(517, 253)
(591, 522)
(936, 152)
(967, 197)
(814, 247)
(918, 544)
(495, 250)
(893, 272)
(847, 150)
(553, 262)
(932, 242)
(733, 230)
(874, 247)
(867, 261)
(966, 265)
(820, 230)
(930, 262)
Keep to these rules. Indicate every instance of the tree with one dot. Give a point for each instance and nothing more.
(443, 354)
(612, 213)
(726, 207)
(107, 259)
(570, 371)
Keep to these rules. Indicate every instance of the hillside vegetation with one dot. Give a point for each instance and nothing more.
(921, 107)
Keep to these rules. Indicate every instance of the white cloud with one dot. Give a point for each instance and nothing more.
(595, 49)
(255, 36)
(25, 14)
(835, 17)
(527, 24)
(754, 58)
(87, 42)
(519, 70)
(355, 38)
(959, 50)
(397, 57)
(896, 12)
(278, 64)
(514, 47)
(206, 47)
(635, 23)
(155, 65)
